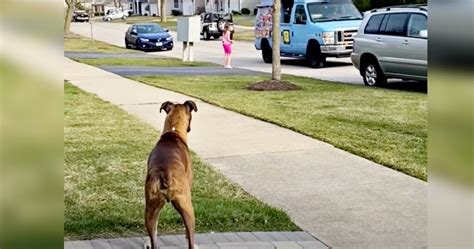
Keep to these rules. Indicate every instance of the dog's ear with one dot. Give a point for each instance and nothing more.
(166, 106)
(191, 105)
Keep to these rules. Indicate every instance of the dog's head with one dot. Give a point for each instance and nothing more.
(178, 115)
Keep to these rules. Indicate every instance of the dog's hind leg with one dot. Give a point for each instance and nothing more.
(184, 207)
(152, 212)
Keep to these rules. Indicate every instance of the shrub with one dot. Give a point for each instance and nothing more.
(176, 13)
(245, 11)
(234, 12)
(255, 11)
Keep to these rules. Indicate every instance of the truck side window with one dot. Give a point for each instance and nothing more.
(287, 14)
(300, 15)
(374, 24)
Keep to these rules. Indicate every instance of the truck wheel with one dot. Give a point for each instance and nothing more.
(372, 74)
(266, 52)
(314, 57)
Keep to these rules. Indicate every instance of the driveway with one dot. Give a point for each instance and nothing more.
(245, 55)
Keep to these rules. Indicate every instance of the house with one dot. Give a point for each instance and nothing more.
(100, 7)
(189, 7)
(144, 7)
(231, 5)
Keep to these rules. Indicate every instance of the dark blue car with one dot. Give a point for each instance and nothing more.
(147, 37)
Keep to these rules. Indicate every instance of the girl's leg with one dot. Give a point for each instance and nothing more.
(225, 59)
(229, 57)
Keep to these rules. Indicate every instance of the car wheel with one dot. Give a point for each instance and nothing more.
(138, 45)
(124, 17)
(108, 19)
(373, 75)
(205, 35)
(314, 57)
(266, 53)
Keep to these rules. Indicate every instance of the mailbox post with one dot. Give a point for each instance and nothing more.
(188, 32)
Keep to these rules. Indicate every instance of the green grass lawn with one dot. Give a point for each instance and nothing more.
(106, 152)
(244, 20)
(386, 126)
(74, 42)
(81, 44)
(152, 62)
(244, 35)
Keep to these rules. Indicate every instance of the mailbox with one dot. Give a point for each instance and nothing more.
(189, 28)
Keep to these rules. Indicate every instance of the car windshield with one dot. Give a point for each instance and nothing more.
(147, 29)
(333, 11)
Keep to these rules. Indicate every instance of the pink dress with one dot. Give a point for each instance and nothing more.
(226, 43)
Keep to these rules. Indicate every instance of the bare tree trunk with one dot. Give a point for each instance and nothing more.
(276, 64)
(163, 11)
(67, 21)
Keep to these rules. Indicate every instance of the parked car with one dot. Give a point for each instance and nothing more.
(80, 16)
(113, 14)
(392, 43)
(148, 36)
(310, 29)
(212, 24)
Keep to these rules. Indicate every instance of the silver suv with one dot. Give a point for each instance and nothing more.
(392, 43)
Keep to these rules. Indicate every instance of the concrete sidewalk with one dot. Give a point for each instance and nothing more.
(342, 199)
(240, 240)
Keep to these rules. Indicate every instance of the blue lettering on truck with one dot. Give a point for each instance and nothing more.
(310, 29)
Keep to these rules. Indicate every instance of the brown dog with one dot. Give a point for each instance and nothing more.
(169, 177)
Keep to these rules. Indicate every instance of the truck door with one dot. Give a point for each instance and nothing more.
(298, 30)
(285, 29)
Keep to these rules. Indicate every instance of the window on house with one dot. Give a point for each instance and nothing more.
(176, 4)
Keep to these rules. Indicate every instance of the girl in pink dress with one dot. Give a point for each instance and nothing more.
(227, 44)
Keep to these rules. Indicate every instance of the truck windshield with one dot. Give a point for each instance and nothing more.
(333, 11)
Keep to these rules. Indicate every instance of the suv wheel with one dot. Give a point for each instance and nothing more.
(373, 75)
(266, 52)
(221, 24)
(108, 19)
(124, 17)
(314, 57)
(205, 35)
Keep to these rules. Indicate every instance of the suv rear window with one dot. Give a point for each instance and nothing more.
(373, 24)
(395, 25)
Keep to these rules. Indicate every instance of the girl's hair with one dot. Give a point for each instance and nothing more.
(226, 27)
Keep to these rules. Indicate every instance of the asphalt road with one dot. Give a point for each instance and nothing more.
(244, 54)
